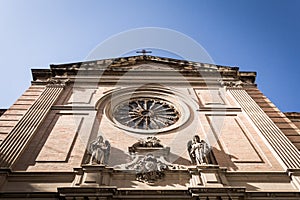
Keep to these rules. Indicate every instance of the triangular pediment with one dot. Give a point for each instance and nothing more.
(141, 63)
(149, 63)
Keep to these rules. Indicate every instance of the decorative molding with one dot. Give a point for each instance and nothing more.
(225, 110)
(225, 190)
(57, 82)
(149, 142)
(209, 193)
(73, 107)
(149, 169)
(194, 71)
(234, 84)
(149, 160)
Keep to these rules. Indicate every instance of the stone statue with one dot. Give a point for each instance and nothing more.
(199, 151)
(107, 152)
(100, 151)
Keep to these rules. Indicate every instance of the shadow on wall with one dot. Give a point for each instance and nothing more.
(119, 157)
(32, 151)
(214, 156)
(224, 160)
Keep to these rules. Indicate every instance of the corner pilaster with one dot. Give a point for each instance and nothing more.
(282, 146)
(17, 140)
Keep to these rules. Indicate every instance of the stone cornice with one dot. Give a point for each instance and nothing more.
(293, 115)
(118, 66)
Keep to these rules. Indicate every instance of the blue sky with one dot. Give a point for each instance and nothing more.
(255, 35)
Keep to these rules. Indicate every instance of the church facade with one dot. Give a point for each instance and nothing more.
(147, 127)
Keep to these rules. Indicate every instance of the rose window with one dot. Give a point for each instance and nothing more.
(146, 113)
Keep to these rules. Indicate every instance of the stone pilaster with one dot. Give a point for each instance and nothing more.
(16, 141)
(283, 147)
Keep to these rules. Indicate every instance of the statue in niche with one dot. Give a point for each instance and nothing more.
(199, 151)
(99, 150)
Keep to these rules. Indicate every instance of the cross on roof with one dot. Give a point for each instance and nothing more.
(143, 51)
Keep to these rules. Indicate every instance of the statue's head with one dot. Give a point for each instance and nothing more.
(196, 138)
(100, 138)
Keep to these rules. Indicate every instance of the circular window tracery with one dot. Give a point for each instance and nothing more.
(146, 113)
(149, 110)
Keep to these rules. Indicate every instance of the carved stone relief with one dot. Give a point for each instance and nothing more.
(145, 143)
(237, 83)
(149, 169)
(52, 81)
(149, 160)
